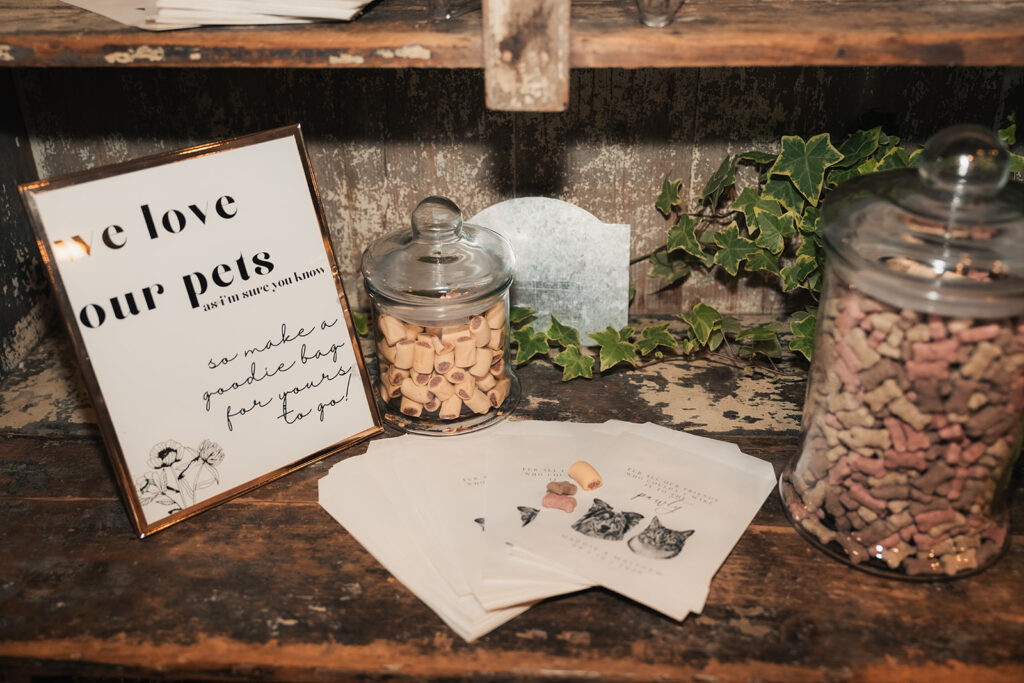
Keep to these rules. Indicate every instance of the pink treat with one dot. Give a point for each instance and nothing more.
(971, 454)
(899, 438)
(862, 496)
(926, 520)
(851, 382)
(557, 502)
(927, 370)
(944, 350)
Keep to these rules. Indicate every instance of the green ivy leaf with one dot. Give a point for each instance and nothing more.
(765, 333)
(530, 344)
(730, 325)
(653, 336)
(768, 206)
(732, 249)
(793, 276)
(563, 335)
(774, 232)
(682, 236)
(802, 326)
(808, 247)
(810, 223)
(759, 158)
(361, 323)
(702, 321)
(770, 348)
(1016, 163)
(805, 163)
(614, 348)
(574, 364)
(785, 193)
(858, 147)
(517, 315)
(885, 144)
(718, 182)
(896, 157)
(671, 266)
(745, 202)
(1008, 134)
(762, 260)
(715, 340)
(669, 196)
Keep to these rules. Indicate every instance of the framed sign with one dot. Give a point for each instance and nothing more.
(208, 316)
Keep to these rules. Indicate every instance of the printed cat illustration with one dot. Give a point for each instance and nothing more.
(659, 542)
(602, 521)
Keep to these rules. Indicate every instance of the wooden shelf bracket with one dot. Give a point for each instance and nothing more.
(526, 54)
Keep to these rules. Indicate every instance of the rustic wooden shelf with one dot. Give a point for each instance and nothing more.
(603, 33)
(269, 587)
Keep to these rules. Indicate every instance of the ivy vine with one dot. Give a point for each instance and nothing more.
(770, 230)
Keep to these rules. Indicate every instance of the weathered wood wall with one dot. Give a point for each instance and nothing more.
(380, 140)
(23, 309)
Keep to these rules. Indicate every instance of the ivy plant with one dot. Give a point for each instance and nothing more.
(769, 230)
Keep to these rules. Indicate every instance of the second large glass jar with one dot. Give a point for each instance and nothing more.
(440, 306)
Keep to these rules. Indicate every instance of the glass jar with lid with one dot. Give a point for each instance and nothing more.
(915, 401)
(439, 294)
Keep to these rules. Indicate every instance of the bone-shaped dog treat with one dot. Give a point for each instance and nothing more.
(562, 488)
(558, 502)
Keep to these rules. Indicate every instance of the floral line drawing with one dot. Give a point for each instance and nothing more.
(178, 472)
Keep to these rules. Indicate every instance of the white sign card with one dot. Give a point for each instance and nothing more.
(202, 294)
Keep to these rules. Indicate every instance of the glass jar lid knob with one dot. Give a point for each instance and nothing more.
(966, 160)
(437, 219)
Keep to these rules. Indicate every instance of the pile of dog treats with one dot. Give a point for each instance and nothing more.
(444, 371)
(912, 424)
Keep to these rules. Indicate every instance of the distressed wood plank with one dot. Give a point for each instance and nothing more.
(24, 312)
(272, 587)
(526, 54)
(605, 33)
(382, 139)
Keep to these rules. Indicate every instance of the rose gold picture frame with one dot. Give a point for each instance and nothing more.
(177, 469)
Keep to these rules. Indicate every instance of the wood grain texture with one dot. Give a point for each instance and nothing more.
(24, 311)
(604, 33)
(269, 587)
(526, 54)
(382, 139)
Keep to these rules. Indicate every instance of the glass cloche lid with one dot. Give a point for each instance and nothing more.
(945, 237)
(441, 260)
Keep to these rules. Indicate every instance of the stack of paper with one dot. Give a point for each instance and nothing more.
(214, 12)
(468, 524)
(158, 15)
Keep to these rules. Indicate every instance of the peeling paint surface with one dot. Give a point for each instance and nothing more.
(343, 58)
(413, 52)
(142, 53)
(45, 395)
(716, 399)
(5, 54)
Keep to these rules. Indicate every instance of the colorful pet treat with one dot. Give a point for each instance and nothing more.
(559, 502)
(585, 475)
(562, 488)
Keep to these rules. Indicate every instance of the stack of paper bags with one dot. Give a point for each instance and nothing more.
(162, 15)
(468, 524)
(246, 12)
